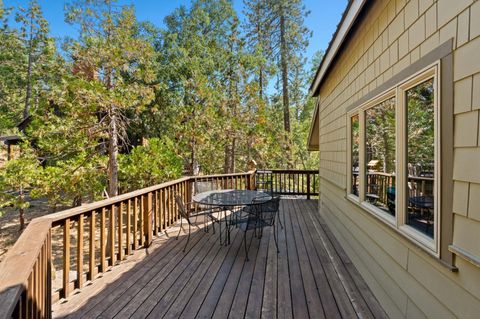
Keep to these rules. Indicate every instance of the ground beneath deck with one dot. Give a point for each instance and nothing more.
(311, 277)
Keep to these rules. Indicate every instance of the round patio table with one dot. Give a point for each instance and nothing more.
(228, 199)
(231, 197)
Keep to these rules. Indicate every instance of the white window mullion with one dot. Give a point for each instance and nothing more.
(437, 183)
(401, 170)
(362, 171)
(349, 154)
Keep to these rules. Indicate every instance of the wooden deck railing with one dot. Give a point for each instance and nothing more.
(289, 182)
(61, 252)
(379, 183)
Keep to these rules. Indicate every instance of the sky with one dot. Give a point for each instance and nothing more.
(323, 19)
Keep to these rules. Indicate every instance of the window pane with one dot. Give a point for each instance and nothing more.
(380, 155)
(355, 124)
(421, 158)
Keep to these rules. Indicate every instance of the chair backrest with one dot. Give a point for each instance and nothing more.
(267, 211)
(181, 206)
(264, 186)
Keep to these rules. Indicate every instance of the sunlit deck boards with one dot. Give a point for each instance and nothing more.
(310, 277)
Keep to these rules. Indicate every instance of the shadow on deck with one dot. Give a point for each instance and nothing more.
(310, 277)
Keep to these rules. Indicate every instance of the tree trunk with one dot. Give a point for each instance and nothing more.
(285, 96)
(260, 83)
(28, 96)
(193, 158)
(113, 154)
(284, 70)
(229, 160)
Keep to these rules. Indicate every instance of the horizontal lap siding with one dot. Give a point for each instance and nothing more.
(392, 36)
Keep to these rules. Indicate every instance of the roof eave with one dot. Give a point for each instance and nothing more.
(348, 19)
(312, 146)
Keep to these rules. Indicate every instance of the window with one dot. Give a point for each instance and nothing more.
(393, 162)
(420, 145)
(355, 155)
(380, 153)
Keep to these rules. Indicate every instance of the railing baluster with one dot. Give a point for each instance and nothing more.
(135, 223)
(43, 280)
(157, 213)
(103, 242)
(80, 252)
(48, 299)
(162, 210)
(41, 277)
(308, 186)
(112, 235)
(120, 232)
(36, 288)
(129, 227)
(142, 221)
(30, 301)
(175, 210)
(91, 252)
(171, 203)
(66, 258)
(148, 219)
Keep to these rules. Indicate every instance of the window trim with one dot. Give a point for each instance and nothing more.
(398, 222)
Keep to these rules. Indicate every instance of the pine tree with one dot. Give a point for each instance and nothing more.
(258, 30)
(39, 50)
(111, 55)
(195, 54)
(27, 63)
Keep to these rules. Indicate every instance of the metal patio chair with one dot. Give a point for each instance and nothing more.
(257, 216)
(187, 211)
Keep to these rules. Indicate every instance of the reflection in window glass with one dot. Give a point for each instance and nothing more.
(355, 125)
(380, 155)
(421, 158)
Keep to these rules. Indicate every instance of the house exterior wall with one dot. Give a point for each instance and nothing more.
(391, 37)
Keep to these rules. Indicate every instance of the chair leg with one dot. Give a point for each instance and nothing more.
(220, 225)
(188, 238)
(181, 221)
(280, 220)
(213, 225)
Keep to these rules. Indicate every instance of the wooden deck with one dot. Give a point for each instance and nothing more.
(311, 277)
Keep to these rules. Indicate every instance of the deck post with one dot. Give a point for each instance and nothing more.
(147, 219)
(189, 191)
(250, 182)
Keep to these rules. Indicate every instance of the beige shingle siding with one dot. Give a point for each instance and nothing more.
(394, 35)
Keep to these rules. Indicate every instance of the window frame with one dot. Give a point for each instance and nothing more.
(399, 221)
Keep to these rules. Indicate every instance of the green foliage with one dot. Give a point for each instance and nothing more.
(17, 176)
(148, 165)
(117, 61)
(420, 118)
(69, 182)
(380, 135)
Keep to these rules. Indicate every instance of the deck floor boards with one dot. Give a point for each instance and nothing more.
(310, 277)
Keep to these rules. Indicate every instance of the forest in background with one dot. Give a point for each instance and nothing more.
(124, 104)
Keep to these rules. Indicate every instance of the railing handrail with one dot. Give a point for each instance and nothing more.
(30, 252)
(221, 175)
(75, 211)
(18, 264)
(305, 171)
